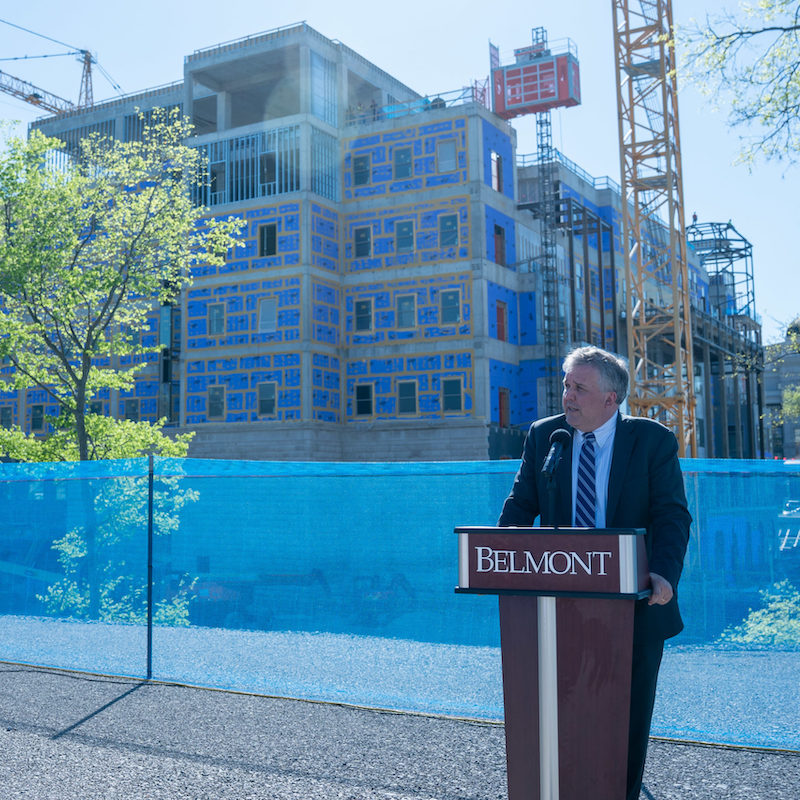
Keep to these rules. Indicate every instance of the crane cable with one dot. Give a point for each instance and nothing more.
(75, 50)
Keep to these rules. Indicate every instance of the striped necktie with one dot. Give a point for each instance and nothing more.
(585, 495)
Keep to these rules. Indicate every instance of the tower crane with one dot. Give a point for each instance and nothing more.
(658, 314)
(23, 90)
(30, 93)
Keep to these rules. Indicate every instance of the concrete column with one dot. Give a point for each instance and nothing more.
(482, 399)
(737, 407)
(752, 414)
(223, 111)
(305, 80)
(723, 407)
(119, 127)
(710, 444)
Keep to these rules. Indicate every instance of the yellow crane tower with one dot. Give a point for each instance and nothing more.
(23, 90)
(658, 314)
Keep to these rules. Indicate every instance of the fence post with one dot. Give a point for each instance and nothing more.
(150, 567)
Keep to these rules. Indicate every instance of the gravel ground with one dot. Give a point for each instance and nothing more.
(708, 694)
(71, 736)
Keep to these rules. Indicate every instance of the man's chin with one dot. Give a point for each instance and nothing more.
(575, 420)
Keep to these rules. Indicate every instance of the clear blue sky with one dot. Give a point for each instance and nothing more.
(436, 47)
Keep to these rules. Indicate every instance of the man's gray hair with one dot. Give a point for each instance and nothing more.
(612, 368)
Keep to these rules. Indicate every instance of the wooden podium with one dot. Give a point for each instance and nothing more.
(566, 600)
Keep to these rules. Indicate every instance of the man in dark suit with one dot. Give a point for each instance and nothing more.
(637, 484)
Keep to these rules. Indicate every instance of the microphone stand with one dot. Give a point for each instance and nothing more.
(551, 500)
(558, 440)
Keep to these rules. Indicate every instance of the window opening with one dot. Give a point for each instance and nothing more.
(131, 409)
(407, 397)
(37, 417)
(499, 245)
(406, 311)
(363, 239)
(266, 398)
(361, 170)
(216, 402)
(216, 319)
(268, 239)
(446, 156)
(404, 235)
(267, 315)
(497, 172)
(448, 230)
(364, 399)
(503, 408)
(451, 394)
(502, 322)
(403, 164)
(363, 314)
(451, 306)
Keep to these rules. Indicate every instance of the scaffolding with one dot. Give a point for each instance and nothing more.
(728, 339)
(728, 259)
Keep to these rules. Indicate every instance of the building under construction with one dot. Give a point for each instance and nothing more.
(406, 283)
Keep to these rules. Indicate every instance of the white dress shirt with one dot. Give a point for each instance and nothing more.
(603, 449)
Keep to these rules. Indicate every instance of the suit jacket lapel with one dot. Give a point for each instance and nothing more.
(623, 447)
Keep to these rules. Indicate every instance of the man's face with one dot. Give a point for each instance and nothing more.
(585, 401)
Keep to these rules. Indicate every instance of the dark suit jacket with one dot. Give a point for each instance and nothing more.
(645, 490)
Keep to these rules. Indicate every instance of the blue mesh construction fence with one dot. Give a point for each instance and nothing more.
(335, 582)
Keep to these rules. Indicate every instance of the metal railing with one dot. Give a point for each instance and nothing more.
(365, 115)
(603, 182)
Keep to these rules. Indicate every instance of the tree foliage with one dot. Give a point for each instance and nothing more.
(106, 438)
(791, 402)
(91, 242)
(101, 562)
(751, 62)
(782, 359)
(775, 625)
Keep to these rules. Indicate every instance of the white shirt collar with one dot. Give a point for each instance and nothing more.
(601, 434)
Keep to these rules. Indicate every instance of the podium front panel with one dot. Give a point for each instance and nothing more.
(566, 691)
(608, 562)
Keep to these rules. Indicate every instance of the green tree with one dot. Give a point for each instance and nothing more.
(791, 402)
(782, 359)
(775, 625)
(90, 243)
(106, 438)
(101, 561)
(750, 61)
(790, 407)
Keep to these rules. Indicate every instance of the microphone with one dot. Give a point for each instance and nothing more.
(558, 440)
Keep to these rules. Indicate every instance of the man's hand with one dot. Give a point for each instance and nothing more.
(661, 590)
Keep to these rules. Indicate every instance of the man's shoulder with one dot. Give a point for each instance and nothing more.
(644, 423)
(540, 430)
(645, 427)
(546, 425)
(557, 420)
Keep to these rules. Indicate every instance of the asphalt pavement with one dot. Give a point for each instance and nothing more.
(73, 736)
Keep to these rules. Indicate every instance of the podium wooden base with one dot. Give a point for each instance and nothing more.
(566, 686)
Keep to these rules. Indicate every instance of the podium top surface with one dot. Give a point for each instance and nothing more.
(550, 530)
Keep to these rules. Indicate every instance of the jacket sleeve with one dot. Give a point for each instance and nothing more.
(669, 512)
(522, 505)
